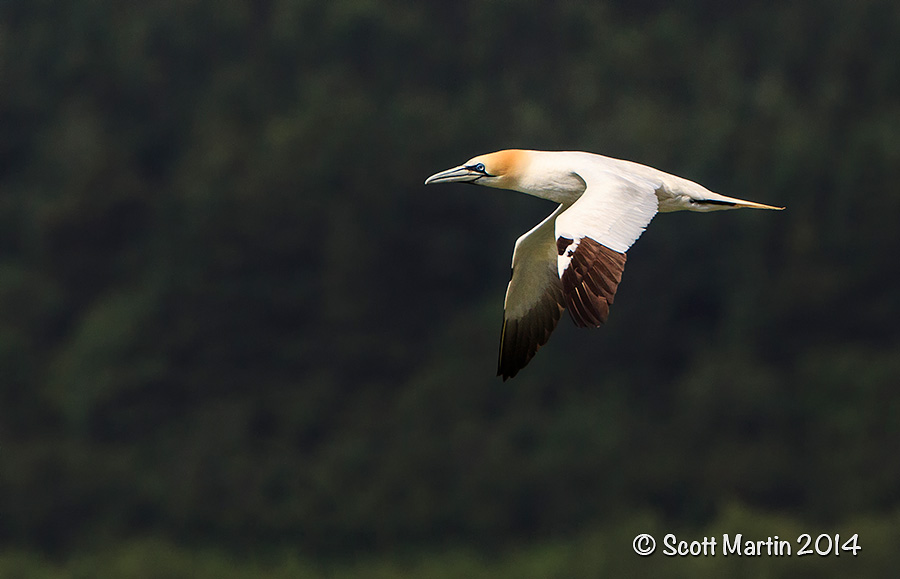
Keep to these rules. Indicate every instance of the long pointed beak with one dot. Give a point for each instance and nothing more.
(455, 175)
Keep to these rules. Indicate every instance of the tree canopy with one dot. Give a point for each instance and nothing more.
(232, 317)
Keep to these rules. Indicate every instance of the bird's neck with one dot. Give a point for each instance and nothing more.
(552, 183)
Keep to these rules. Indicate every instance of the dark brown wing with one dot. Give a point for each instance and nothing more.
(590, 279)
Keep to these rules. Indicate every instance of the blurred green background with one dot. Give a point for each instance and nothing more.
(238, 337)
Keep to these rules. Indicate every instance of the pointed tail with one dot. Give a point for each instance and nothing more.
(711, 201)
(754, 205)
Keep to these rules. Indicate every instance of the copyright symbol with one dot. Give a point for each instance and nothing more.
(644, 544)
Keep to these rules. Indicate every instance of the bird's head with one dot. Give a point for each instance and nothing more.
(501, 169)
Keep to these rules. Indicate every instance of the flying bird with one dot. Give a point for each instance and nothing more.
(574, 258)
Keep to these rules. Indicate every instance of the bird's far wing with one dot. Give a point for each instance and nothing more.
(534, 299)
(592, 236)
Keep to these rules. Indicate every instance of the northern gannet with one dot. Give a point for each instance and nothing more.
(574, 258)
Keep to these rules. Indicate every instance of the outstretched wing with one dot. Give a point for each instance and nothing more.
(534, 297)
(592, 236)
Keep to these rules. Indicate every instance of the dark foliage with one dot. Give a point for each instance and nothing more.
(231, 314)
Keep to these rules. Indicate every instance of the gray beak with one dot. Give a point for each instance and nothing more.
(455, 175)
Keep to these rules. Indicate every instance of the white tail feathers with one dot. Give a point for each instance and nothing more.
(713, 201)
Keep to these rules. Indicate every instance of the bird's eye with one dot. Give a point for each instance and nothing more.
(479, 167)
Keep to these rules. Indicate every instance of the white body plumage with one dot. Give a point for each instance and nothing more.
(575, 257)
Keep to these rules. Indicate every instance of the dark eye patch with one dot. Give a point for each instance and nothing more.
(478, 168)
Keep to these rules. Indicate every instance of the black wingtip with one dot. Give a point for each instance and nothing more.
(506, 371)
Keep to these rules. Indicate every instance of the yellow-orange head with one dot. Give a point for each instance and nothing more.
(501, 169)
